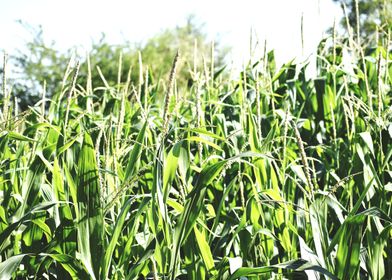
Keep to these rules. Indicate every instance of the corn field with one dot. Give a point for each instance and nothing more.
(269, 175)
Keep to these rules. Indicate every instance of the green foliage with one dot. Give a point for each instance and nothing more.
(272, 175)
(41, 63)
(375, 16)
(37, 64)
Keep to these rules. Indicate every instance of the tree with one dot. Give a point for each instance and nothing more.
(375, 17)
(157, 54)
(38, 63)
(43, 62)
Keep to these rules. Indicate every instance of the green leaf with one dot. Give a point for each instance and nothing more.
(297, 265)
(347, 256)
(367, 138)
(9, 266)
(135, 154)
(17, 136)
(192, 209)
(204, 249)
(202, 140)
(171, 164)
(26, 218)
(70, 264)
(114, 238)
(206, 133)
(90, 224)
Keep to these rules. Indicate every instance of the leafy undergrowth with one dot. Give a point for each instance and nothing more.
(271, 175)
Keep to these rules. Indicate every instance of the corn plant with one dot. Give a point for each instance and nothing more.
(269, 175)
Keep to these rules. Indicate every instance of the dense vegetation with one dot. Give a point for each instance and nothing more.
(374, 16)
(271, 175)
(40, 65)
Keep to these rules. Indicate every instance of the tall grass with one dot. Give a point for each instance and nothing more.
(278, 176)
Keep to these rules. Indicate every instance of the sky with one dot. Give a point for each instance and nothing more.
(78, 22)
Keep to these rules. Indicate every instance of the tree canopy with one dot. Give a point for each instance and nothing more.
(42, 63)
(375, 17)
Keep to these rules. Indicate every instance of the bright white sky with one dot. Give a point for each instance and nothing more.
(78, 22)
